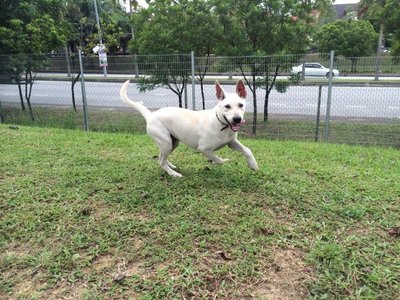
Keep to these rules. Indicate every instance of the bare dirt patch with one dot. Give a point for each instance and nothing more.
(286, 277)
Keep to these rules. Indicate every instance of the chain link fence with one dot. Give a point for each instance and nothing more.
(287, 94)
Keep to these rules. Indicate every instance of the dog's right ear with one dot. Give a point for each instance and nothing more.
(219, 91)
(241, 89)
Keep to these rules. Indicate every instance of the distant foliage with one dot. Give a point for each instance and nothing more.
(352, 39)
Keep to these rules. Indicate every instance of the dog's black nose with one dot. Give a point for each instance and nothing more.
(237, 120)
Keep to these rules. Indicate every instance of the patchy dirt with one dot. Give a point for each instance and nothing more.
(67, 291)
(111, 268)
(286, 277)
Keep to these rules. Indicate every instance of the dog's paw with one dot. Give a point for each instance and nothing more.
(218, 160)
(253, 165)
(175, 174)
(171, 165)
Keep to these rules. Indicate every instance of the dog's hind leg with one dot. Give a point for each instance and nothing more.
(175, 143)
(165, 145)
(211, 156)
(165, 150)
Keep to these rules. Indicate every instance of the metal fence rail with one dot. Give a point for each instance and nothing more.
(362, 111)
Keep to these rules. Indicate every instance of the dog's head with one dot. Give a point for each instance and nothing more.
(231, 106)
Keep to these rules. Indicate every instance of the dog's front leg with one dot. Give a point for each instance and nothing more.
(212, 156)
(237, 146)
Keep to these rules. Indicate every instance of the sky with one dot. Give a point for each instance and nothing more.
(141, 3)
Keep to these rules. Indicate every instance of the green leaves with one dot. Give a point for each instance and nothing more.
(168, 27)
(33, 31)
(347, 38)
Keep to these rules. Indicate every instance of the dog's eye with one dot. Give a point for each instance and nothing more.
(240, 105)
(227, 106)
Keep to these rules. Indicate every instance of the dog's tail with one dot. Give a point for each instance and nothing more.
(123, 93)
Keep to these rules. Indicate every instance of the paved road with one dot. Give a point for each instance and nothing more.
(347, 101)
(346, 78)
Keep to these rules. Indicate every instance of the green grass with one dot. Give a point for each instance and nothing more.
(92, 216)
(63, 117)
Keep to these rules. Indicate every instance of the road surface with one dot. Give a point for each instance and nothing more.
(347, 101)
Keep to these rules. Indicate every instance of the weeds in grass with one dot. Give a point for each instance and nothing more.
(92, 216)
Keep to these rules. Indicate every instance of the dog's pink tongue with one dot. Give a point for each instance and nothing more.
(236, 127)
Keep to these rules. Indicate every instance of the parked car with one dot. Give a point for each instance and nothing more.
(313, 69)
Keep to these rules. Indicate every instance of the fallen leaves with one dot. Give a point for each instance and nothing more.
(224, 256)
(394, 231)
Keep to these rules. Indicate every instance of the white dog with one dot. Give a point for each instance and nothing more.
(205, 130)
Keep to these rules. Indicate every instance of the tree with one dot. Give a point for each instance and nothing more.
(161, 32)
(258, 28)
(29, 29)
(114, 22)
(133, 7)
(204, 38)
(352, 39)
(167, 27)
(391, 24)
(375, 11)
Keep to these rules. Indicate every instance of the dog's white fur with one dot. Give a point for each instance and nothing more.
(205, 130)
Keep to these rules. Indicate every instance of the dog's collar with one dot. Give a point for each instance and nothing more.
(225, 125)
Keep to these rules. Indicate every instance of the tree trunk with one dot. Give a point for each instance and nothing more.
(202, 94)
(21, 97)
(253, 88)
(200, 76)
(266, 99)
(180, 100)
(268, 89)
(73, 90)
(29, 93)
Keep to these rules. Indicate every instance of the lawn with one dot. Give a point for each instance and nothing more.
(92, 216)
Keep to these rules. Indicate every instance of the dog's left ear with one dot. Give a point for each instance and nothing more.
(241, 89)
(219, 91)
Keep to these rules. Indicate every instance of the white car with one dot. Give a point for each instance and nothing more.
(314, 69)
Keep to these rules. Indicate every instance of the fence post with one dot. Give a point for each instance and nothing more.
(328, 103)
(136, 65)
(378, 54)
(193, 82)
(318, 113)
(85, 113)
(185, 93)
(303, 70)
(1, 114)
(67, 61)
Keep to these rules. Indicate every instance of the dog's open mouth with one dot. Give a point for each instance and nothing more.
(236, 126)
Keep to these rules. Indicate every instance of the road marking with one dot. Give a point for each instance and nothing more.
(355, 106)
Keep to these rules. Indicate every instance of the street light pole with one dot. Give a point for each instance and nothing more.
(100, 36)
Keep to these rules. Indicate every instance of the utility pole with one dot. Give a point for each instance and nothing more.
(101, 50)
